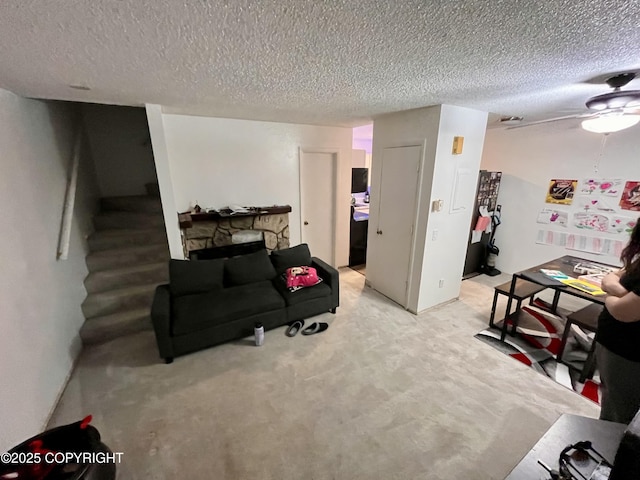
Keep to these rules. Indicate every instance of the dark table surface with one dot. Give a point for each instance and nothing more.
(568, 429)
(565, 265)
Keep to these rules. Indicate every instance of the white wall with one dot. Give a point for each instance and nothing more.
(363, 138)
(219, 162)
(165, 181)
(530, 157)
(40, 297)
(358, 158)
(413, 127)
(121, 149)
(434, 129)
(444, 257)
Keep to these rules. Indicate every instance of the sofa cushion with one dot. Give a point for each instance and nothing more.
(192, 313)
(302, 295)
(297, 256)
(195, 276)
(251, 268)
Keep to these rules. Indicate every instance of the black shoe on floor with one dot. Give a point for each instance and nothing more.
(315, 327)
(294, 328)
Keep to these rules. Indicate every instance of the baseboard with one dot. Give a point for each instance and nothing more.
(62, 389)
(440, 305)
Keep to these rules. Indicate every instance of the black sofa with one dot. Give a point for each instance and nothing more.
(208, 302)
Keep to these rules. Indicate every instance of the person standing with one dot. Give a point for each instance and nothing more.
(618, 337)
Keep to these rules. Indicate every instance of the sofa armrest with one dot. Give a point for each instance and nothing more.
(161, 319)
(330, 276)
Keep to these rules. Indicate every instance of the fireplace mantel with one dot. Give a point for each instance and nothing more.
(186, 219)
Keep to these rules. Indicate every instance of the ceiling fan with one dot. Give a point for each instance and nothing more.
(610, 112)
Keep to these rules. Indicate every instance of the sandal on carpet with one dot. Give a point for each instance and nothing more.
(294, 328)
(315, 327)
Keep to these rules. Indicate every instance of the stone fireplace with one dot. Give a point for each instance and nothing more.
(215, 229)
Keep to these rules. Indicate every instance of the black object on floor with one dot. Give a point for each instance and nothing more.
(69, 452)
(315, 327)
(294, 328)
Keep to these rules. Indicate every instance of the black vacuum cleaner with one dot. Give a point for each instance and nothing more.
(492, 251)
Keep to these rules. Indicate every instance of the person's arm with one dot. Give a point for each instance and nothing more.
(611, 284)
(624, 309)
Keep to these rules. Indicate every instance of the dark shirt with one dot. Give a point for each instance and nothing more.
(621, 338)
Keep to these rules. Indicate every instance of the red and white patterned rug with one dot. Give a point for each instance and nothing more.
(536, 344)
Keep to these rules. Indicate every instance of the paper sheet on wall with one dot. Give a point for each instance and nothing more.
(476, 236)
(551, 216)
(484, 212)
(482, 224)
(597, 245)
(610, 187)
(549, 237)
(621, 224)
(591, 221)
(595, 202)
(464, 184)
(582, 243)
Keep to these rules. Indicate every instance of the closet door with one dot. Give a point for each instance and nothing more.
(389, 261)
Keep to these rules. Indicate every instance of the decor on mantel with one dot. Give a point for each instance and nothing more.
(215, 228)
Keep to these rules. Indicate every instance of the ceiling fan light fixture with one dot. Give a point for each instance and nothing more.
(616, 99)
(610, 123)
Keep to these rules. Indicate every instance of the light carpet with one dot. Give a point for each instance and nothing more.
(382, 394)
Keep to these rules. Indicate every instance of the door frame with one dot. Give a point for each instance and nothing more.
(416, 211)
(335, 152)
(417, 262)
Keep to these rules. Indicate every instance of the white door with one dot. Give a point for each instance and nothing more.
(392, 236)
(317, 202)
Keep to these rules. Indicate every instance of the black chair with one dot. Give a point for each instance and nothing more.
(586, 319)
(522, 291)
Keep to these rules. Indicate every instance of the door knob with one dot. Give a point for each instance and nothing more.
(306, 223)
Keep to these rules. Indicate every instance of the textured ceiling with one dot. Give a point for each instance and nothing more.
(323, 62)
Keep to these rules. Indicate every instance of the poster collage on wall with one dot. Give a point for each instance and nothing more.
(590, 205)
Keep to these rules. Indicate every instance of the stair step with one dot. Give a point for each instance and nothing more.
(107, 327)
(127, 256)
(120, 300)
(133, 203)
(106, 280)
(109, 220)
(122, 237)
(153, 189)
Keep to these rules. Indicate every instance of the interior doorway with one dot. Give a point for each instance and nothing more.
(318, 169)
(360, 197)
(392, 243)
(120, 145)
(480, 243)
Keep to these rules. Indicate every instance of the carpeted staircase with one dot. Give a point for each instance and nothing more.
(128, 258)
